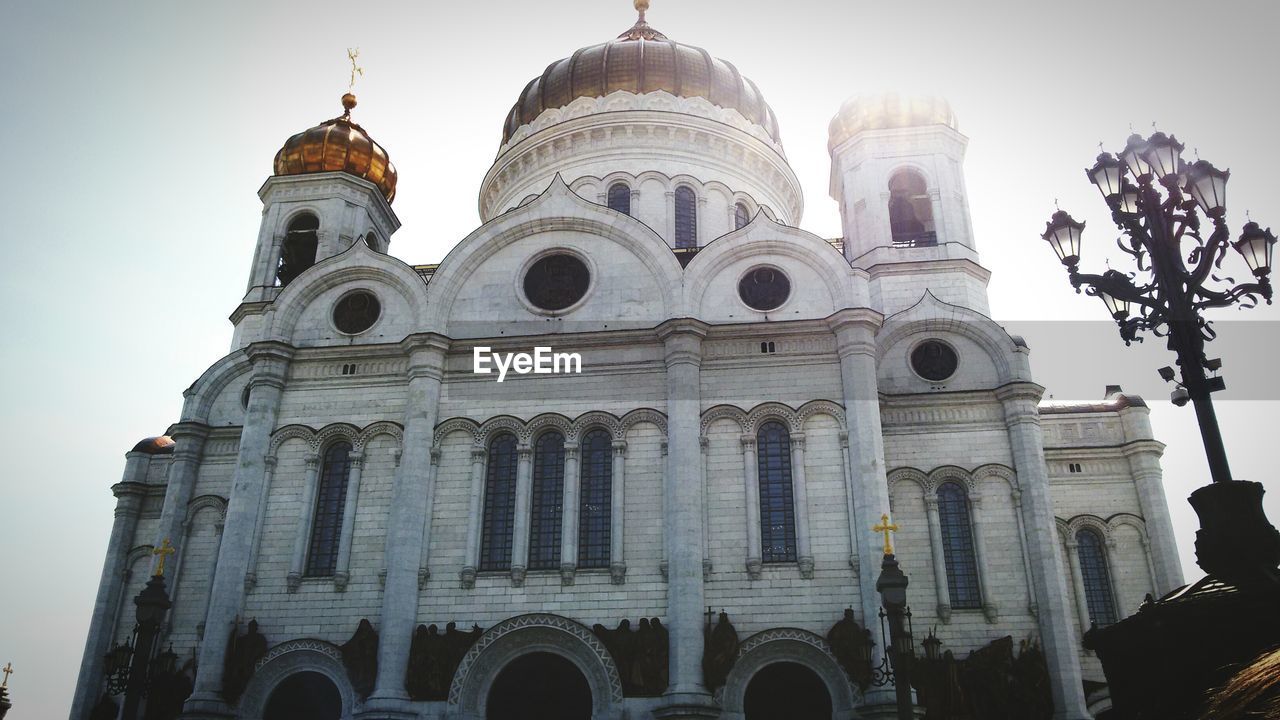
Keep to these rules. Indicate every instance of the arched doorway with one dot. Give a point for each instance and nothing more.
(304, 696)
(787, 691)
(539, 686)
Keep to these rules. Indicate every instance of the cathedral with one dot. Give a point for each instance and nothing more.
(624, 452)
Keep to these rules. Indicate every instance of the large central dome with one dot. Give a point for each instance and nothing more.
(641, 60)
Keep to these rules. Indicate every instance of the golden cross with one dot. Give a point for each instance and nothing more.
(162, 552)
(886, 528)
(355, 69)
(8, 670)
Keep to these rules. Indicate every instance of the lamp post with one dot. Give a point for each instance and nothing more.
(1157, 200)
(899, 653)
(131, 666)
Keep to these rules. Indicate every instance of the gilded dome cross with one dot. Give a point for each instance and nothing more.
(8, 670)
(352, 54)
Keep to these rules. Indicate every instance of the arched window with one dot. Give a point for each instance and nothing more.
(777, 505)
(331, 498)
(620, 198)
(372, 241)
(597, 497)
(1097, 580)
(741, 216)
(498, 520)
(299, 249)
(957, 547)
(911, 211)
(547, 507)
(686, 217)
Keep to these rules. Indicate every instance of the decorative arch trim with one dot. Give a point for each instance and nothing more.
(751, 420)
(317, 439)
(211, 502)
(787, 645)
(537, 632)
(290, 658)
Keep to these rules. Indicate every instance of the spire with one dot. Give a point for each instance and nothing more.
(642, 30)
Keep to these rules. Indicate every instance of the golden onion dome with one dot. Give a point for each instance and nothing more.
(339, 145)
(888, 110)
(641, 60)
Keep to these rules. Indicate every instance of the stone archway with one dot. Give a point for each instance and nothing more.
(539, 686)
(306, 695)
(511, 639)
(287, 660)
(787, 645)
(786, 691)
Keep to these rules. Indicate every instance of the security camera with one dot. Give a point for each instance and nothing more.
(1166, 372)
(1180, 397)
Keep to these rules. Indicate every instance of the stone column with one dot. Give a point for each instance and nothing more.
(342, 569)
(704, 443)
(855, 332)
(686, 697)
(800, 497)
(520, 539)
(1057, 632)
(424, 565)
(1077, 585)
(1016, 495)
(251, 577)
(468, 574)
(270, 365)
(989, 607)
(850, 507)
(129, 492)
(751, 490)
(306, 517)
(409, 512)
(1144, 454)
(1151, 568)
(569, 516)
(189, 439)
(939, 557)
(617, 515)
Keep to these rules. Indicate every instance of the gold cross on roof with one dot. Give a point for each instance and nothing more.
(886, 528)
(8, 670)
(355, 69)
(162, 552)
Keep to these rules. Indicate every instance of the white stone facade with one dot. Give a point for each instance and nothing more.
(682, 374)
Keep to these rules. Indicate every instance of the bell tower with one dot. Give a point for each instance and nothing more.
(897, 173)
(332, 187)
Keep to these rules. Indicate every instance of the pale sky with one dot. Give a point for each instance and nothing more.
(138, 132)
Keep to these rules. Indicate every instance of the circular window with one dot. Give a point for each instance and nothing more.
(934, 360)
(356, 312)
(556, 282)
(764, 288)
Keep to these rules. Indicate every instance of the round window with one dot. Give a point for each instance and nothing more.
(556, 282)
(934, 360)
(764, 288)
(356, 312)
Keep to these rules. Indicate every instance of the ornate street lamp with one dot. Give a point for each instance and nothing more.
(132, 665)
(1157, 201)
(899, 653)
(1162, 232)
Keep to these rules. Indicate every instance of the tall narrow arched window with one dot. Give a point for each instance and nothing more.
(547, 508)
(620, 198)
(498, 520)
(911, 210)
(298, 252)
(686, 217)
(594, 519)
(331, 498)
(1097, 579)
(777, 504)
(741, 216)
(957, 547)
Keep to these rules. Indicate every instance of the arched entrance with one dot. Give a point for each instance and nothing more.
(304, 696)
(539, 686)
(787, 691)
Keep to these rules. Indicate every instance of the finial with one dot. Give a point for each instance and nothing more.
(886, 528)
(1100, 148)
(641, 7)
(8, 670)
(162, 552)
